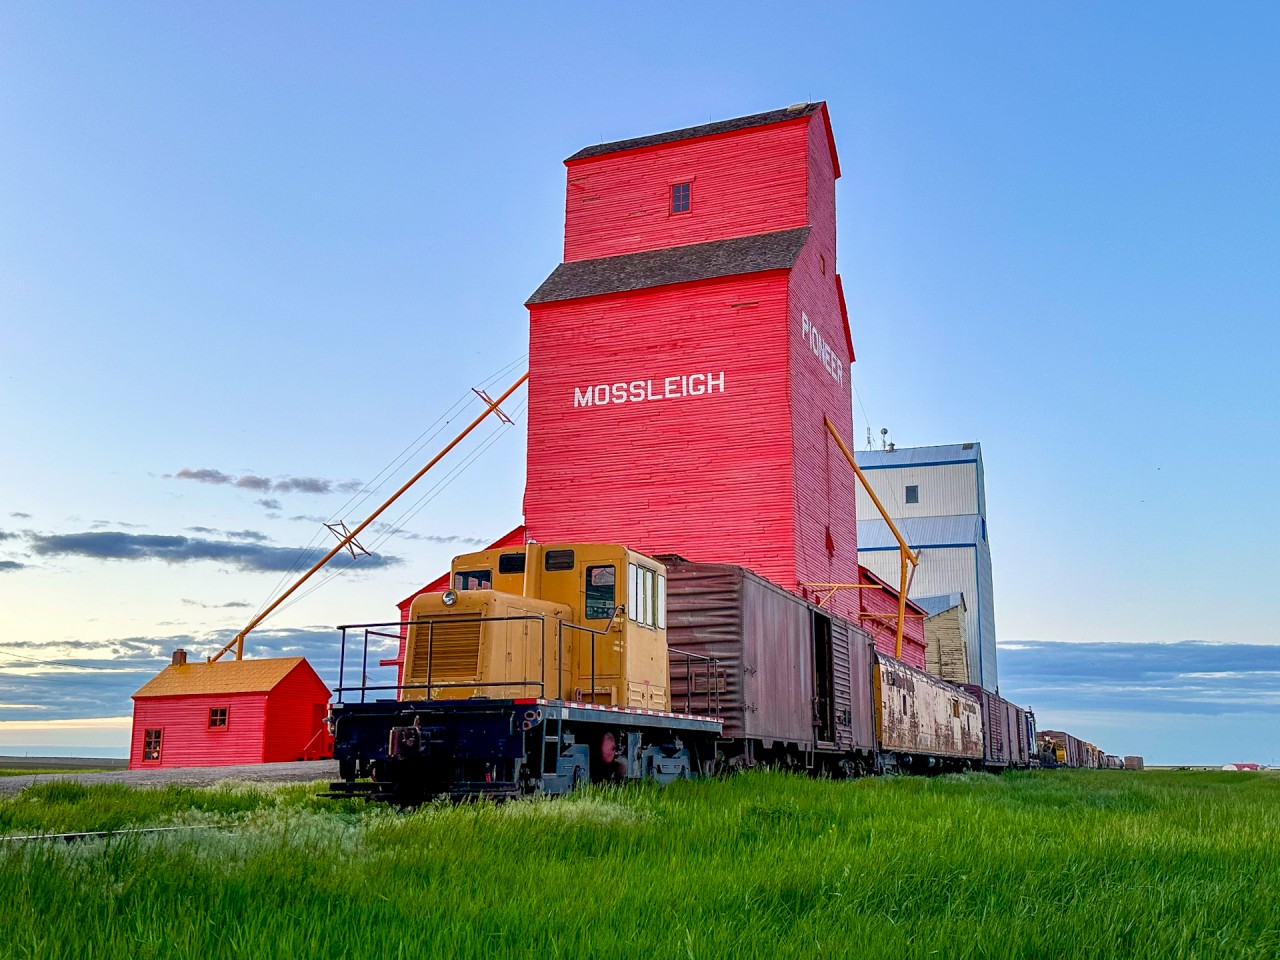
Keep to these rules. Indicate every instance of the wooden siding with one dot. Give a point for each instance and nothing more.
(741, 183)
(708, 477)
(296, 709)
(187, 740)
(262, 726)
(946, 653)
(826, 549)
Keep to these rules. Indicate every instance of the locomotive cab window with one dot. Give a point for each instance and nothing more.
(217, 718)
(602, 592)
(555, 560)
(151, 744)
(473, 580)
(646, 596)
(511, 563)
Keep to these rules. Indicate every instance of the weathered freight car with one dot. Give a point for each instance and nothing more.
(923, 723)
(794, 681)
(1008, 731)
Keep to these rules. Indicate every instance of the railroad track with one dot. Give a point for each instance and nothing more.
(105, 834)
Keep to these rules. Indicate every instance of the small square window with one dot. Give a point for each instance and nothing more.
(217, 717)
(151, 744)
(913, 494)
(680, 198)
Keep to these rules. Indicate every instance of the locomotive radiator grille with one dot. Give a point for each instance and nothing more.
(449, 651)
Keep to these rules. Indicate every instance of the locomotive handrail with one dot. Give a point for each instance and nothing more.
(713, 678)
(370, 629)
(594, 633)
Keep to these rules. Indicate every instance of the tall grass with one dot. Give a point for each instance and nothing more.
(1053, 864)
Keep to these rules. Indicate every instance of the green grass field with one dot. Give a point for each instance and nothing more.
(1050, 864)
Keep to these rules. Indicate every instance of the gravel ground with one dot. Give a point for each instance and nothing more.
(300, 772)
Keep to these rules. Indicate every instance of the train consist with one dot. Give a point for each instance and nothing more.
(1060, 749)
(545, 667)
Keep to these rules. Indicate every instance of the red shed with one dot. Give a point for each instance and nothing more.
(229, 712)
(684, 355)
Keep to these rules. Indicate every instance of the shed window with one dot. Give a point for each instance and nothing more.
(680, 198)
(602, 592)
(913, 494)
(217, 717)
(473, 580)
(151, 744)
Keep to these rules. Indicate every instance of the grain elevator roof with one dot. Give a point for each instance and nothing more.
(702, 130)
(658, 268)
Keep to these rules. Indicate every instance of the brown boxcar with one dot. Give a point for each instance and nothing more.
(1133, 763)
(923, 722)
(793, 684)
(1005, 740)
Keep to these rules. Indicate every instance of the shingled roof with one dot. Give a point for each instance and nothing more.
(659, 268)
(703, 130)
(223, 677)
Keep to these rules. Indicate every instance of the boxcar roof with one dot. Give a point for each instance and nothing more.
(658, 268)
(225, 676)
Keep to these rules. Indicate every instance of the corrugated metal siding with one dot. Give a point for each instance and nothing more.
(861, 733)
(944, 490)
(763, 637)
(1001, 727)
(940, 571)
(874, 534)
(910, 456)
(187, 740)
(916, 716)
(707, 477)
(747, 182)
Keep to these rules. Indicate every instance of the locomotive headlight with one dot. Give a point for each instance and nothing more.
(450, 598)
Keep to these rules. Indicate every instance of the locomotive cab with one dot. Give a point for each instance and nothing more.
(578, 622)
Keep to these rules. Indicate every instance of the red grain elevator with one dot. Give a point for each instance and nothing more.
(684, 355)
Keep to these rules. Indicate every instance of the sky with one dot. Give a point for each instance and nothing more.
(253, 259)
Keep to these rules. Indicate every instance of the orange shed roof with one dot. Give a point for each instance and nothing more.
(225, 676)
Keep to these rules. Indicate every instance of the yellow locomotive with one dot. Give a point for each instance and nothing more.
(541, 667)
(580, 622)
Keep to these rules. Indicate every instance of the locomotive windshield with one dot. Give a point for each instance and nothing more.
(473, 580)
(602, 595)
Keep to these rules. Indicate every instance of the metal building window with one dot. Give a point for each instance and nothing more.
(913, 494)
(151, 744)
(680, 198)
(217, 717)
(602, 592)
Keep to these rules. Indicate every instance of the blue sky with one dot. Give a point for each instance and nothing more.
(250, 255)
